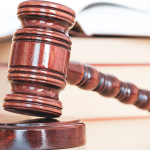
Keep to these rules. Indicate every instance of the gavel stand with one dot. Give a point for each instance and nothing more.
(41, 133)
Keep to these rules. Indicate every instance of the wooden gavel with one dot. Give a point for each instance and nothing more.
(39, 64)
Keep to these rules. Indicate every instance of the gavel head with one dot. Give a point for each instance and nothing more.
(39, 59)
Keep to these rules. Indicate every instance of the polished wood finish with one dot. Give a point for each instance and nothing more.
(88, 78)
(39, 59)
(40, 133)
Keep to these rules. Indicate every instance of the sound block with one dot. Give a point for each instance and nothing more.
(40, 133)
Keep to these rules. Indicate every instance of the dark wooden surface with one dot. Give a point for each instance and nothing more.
(39, 59)
(20, 134)
(88, 78)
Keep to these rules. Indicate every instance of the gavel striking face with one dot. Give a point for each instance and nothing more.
(39, 64)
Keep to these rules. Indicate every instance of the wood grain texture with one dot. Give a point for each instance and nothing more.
(88, 78)
(39, 58)
(40, 133)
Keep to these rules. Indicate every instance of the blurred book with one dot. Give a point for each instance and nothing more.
(109, 19)
(95, 17)
(109, 51)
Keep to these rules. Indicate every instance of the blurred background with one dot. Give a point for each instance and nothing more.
(111, 35)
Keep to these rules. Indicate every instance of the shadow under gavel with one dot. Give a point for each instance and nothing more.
(39, 65)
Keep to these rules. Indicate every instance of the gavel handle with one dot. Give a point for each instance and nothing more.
(88, 78)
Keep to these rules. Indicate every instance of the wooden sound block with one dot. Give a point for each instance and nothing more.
(41, 133)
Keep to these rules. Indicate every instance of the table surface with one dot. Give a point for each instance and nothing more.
(117, 135)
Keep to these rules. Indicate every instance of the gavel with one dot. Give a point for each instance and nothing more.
(39, 65)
